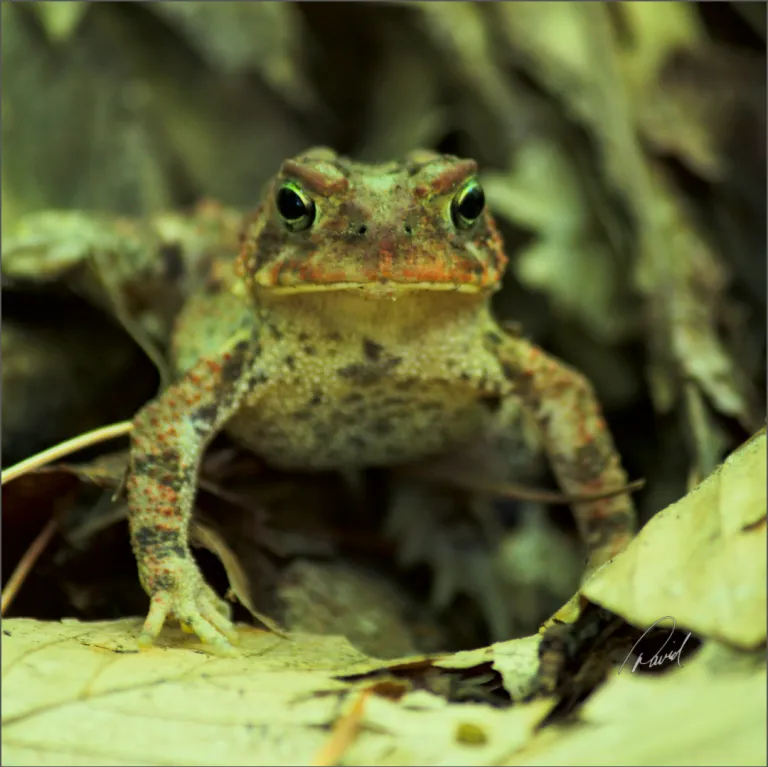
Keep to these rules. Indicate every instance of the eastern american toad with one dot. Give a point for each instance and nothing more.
(353, 330)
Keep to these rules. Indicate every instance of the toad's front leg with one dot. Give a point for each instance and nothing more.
(169, 437)
(577, 441)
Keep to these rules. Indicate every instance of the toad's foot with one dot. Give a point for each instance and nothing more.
(178, 589)
(440, 529)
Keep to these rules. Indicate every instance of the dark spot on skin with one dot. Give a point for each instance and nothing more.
(170, 254)
(406, 383)
(276, 334)
(303, 338)
(309, 350)
(476, 267)
(302, 415)
(522, 384)
(372, 350)
(205, 416)
(6, 632)
(493, 338)
(365, 375)
(599, 532)
(352, 397)
(394, 401)
(232, 368)
(465, 376)
(590, 460)
(290, 362)
(334, 336)
(357, 441)
(259, 378)
(161, 543)
(317, 399)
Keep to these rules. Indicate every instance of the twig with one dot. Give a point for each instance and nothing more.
(88, 439)
(343, 733)
(516, 491)
(25, 565)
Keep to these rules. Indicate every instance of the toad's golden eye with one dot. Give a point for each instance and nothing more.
(468, 204)
(295, 207)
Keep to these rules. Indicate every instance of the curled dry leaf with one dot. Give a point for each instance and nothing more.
(702, 560)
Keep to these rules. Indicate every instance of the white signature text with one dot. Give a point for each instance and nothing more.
(660, 657)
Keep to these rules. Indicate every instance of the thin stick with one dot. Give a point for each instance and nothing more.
(88, 439)
(343, 733)
(25, 565)
(519, 492)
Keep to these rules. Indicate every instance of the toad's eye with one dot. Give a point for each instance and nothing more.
(295, 208)
(467, 206)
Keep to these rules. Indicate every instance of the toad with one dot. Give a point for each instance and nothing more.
(353, 330)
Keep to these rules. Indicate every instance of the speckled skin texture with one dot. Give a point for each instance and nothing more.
(363, 337)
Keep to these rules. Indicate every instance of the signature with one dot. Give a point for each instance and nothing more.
(659, 658)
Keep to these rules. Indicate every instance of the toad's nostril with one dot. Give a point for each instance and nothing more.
(362, 230)
(408, 229)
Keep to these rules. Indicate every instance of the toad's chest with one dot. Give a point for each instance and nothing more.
(347, 412)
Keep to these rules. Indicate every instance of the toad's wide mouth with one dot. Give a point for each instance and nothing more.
(381, 288)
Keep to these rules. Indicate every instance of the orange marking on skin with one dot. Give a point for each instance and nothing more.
(315, 180)
(387, 248)
(452, 176)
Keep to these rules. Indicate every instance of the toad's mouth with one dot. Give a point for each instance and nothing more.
(383, 287)
(381, 275)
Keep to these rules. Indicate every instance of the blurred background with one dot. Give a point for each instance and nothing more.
(621, 146)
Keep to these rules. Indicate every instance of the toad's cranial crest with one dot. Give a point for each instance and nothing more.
(328, 223)
(296, 350)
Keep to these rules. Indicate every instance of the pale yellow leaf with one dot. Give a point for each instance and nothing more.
(702, 560)
(694, 715)
(80, 692)
(453, 734)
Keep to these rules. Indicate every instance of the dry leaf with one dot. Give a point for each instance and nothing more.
(75, 692)
(702, 560)
(232, 36)
(450, 734)
(569, 260)
(517, 660)
(684, 284)
(690, 716)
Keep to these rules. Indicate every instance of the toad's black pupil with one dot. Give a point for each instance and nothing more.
(472, 203)
(290, 205)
